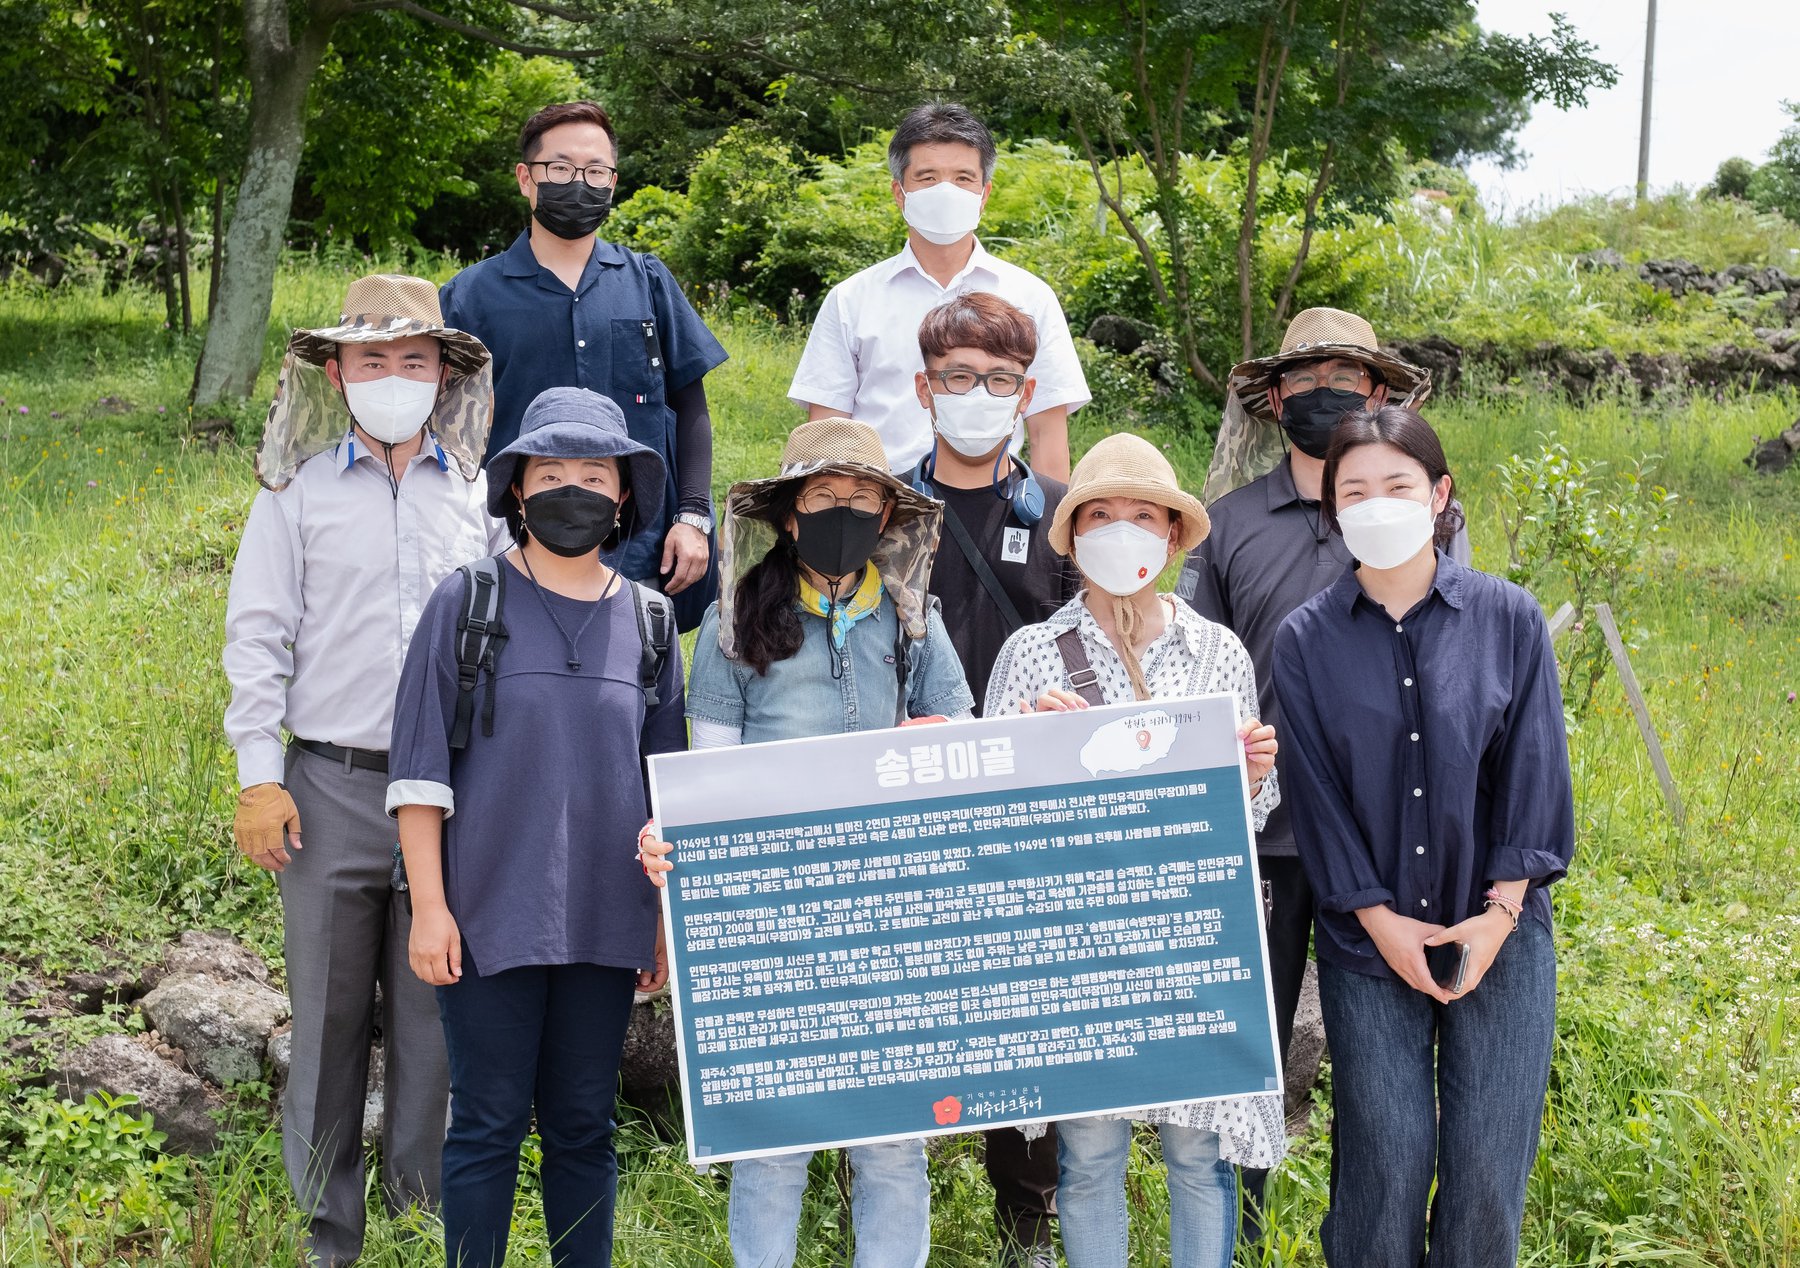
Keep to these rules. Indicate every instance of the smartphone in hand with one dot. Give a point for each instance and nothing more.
(1449, 965)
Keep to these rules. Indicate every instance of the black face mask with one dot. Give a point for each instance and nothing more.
(1309, 417)
(570, 521)
(837, 542)
(573, 210)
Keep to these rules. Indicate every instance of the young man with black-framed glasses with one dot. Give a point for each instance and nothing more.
(564, 308)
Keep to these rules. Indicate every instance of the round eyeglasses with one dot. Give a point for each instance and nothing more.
(863, 501)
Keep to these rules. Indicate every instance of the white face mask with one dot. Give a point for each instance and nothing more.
(1121, 558)
(391, 409)
(973, 424)
(943, 213)
(1386, 532)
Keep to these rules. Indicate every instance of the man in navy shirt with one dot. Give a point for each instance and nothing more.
(562, 308)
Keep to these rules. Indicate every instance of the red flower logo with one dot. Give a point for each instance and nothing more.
(1142, 573)
(948, 1111)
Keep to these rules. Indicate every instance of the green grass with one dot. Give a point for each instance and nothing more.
(1673, 1128)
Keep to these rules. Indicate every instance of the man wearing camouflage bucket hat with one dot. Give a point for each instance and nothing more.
(1271, 550)
(373, 493)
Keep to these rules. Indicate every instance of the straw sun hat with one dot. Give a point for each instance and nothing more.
(1128, 466)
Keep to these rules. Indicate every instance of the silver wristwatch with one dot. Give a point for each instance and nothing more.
(695, 519)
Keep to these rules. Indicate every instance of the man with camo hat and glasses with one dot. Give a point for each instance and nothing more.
(1270, 551)
(373, 493)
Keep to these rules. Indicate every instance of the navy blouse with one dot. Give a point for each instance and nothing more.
(1424, 759)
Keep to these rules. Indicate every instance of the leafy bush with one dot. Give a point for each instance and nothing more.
(100, 1166)
(1572, 519)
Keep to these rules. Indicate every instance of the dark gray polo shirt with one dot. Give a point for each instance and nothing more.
(1267, 554)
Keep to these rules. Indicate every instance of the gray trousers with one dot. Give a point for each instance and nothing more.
(344, 931)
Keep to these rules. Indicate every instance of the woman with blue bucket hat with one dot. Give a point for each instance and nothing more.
(526, 705)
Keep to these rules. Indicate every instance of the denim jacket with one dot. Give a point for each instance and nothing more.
(799, 698)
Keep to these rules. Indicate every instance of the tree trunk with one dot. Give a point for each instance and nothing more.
(217, 255)
(280, 69)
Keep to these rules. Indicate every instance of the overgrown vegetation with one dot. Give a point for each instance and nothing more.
(1673, 1129)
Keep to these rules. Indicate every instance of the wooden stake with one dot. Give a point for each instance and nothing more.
(1635, 695)
(1561, 621)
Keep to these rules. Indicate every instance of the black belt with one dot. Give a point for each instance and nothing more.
(359, 758)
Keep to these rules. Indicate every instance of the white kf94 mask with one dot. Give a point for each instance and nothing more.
(973, 424)
(1121, 558)
(943, 213)
(392, 409)
(1386, 532)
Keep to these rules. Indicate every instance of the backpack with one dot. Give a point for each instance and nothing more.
(480, 635)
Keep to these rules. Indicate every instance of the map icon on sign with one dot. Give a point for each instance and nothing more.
(1129, 744)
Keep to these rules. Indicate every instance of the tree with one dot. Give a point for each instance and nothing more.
(1776, 184)
(1338, 91)
(869, 50)
(118, 116)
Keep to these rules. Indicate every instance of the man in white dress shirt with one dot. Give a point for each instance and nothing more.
(863, 351)
(373, 494)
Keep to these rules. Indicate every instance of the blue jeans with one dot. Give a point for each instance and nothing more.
(547, 1036)
(890, 1206)
(1422, 1089)
(1090, 1194)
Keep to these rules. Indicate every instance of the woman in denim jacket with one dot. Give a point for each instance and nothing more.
(828, 629)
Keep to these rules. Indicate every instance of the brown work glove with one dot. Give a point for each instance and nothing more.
(266, 819)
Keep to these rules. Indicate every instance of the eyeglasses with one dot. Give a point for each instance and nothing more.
(559, 173)
(997, 382)
(1339, 380)
(863, 501)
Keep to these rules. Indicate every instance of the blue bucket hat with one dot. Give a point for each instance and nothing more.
(572, 422)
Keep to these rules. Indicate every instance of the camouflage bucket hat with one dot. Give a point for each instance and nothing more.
(1318, 334)
(308, 415)
(750, 527)
(1250, 444)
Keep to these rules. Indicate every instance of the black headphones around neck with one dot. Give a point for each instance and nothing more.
(1021, 489)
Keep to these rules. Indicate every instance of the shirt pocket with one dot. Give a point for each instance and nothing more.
(639, 368)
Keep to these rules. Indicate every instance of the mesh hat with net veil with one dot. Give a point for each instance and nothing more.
(1244, 449)
(1127, 466)
(830, 446)
(308, 415)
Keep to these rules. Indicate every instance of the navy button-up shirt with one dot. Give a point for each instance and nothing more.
(626, 331)
(1424, 758)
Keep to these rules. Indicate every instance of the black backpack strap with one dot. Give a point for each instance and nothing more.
(984, 572)
(480, 635)
(1075, 662)
(656, 629)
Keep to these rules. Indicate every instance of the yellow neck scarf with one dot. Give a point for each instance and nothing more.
(846, 612)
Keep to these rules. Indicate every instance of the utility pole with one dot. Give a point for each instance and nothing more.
(1643, 173)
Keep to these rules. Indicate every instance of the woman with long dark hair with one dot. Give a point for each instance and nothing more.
(1428, 776)
(828, 629)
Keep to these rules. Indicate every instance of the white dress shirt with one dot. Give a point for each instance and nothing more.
(864, 347)
(331, 576)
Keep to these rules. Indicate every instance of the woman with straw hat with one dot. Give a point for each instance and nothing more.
(824, 626)
(1123, 520)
